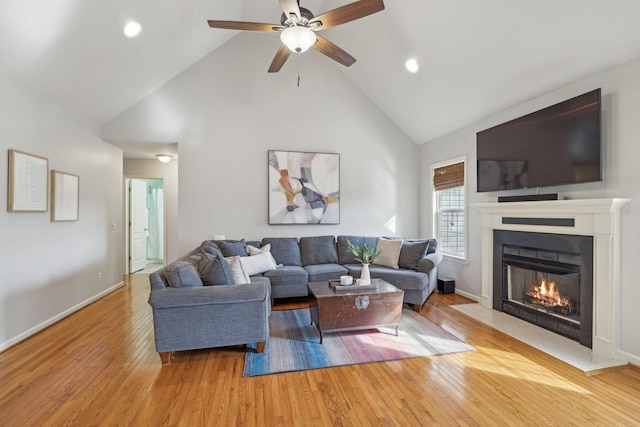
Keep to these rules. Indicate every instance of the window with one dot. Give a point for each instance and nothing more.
(449, 208)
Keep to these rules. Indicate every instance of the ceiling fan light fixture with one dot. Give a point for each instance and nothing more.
(298, 39)
(164, 158)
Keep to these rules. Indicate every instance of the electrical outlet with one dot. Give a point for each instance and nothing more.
(99, 277)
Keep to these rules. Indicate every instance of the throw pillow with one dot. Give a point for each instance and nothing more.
(252, 250)
(411, 252)
(237, 272)
(231, 248)
(182, 274)
(203, 261)
(209, 246)
(389, 252)
(217, 272)
(259, 263)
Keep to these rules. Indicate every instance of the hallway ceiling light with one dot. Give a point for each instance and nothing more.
(412, 65)
(164, 158)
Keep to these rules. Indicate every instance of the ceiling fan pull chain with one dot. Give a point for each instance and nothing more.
(298, 70)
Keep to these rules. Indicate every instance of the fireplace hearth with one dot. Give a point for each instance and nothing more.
(546, 279)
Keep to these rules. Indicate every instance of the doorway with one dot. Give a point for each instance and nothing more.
(145, 219)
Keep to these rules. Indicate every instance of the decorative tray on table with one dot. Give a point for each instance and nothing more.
(337, 287)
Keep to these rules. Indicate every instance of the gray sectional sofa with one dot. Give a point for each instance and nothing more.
(190, 311)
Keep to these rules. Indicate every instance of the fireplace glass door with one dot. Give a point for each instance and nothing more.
(555, 293)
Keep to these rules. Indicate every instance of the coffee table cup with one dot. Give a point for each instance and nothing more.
(346, 280)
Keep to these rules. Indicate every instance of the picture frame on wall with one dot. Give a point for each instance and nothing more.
(65, 196)
(28, 182)
(304, 187)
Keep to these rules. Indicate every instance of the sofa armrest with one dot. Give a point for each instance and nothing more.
(429, 261)
(209, 295)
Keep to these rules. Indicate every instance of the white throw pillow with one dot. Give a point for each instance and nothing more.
(259, 263)
(252, 250)
(237, 272)
(389, 252)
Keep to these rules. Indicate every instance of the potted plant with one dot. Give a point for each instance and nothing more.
(365, 255)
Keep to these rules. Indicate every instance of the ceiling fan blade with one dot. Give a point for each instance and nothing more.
(290, 7)
(334, 52)
(348, 13)
(281, 57)
(249, 26)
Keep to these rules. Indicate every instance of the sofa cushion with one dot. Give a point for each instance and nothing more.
(285, 250)
(182, 274)
(231, 248)
(318, 250)
(287, 275)
(346, 257)
(258, 263)
(412, 251)
(217, 271)
(323, 272)
(389, 252)
(237, 272)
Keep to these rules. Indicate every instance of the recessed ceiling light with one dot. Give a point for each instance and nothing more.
(132, 29)
(164, 158)
(411, 65)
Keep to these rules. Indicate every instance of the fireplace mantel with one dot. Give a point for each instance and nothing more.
(599, 218)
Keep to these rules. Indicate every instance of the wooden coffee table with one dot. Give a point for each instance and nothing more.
(333, 311)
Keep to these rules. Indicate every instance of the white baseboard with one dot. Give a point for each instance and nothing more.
(629, 358)
(468, 295)
(23, 336)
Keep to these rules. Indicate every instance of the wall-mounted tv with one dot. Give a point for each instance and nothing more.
(557, 145)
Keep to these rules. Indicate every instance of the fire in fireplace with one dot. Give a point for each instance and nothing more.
(548, 297)
(547, 280)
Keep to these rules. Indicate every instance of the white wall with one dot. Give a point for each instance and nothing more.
(226, 112)
(48, 269)
(136, 168)
(621, 151)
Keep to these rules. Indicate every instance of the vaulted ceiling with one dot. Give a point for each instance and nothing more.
(475, 57)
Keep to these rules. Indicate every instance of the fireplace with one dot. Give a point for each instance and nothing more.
(598, 219)
(546, 279)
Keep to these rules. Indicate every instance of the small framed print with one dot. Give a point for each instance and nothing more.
(65, 196)
(28, 182)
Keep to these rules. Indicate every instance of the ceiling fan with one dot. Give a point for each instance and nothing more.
(298, 28)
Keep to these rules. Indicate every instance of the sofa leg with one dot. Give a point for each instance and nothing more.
(417, 307)
(165, 357)
(260, 346)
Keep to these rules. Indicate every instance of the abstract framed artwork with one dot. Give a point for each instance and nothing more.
(28, 182)
(65, 193)
(304, 188)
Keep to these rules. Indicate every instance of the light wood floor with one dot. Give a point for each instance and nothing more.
(99, 367)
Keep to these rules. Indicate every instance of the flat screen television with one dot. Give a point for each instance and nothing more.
(557, 145)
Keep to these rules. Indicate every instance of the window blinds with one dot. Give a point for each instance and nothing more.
(449, 176)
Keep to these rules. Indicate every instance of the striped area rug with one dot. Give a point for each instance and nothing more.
(294, 344)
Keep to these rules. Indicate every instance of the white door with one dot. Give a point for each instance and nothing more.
(137, 225)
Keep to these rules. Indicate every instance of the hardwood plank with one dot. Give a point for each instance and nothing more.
(99, 367)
